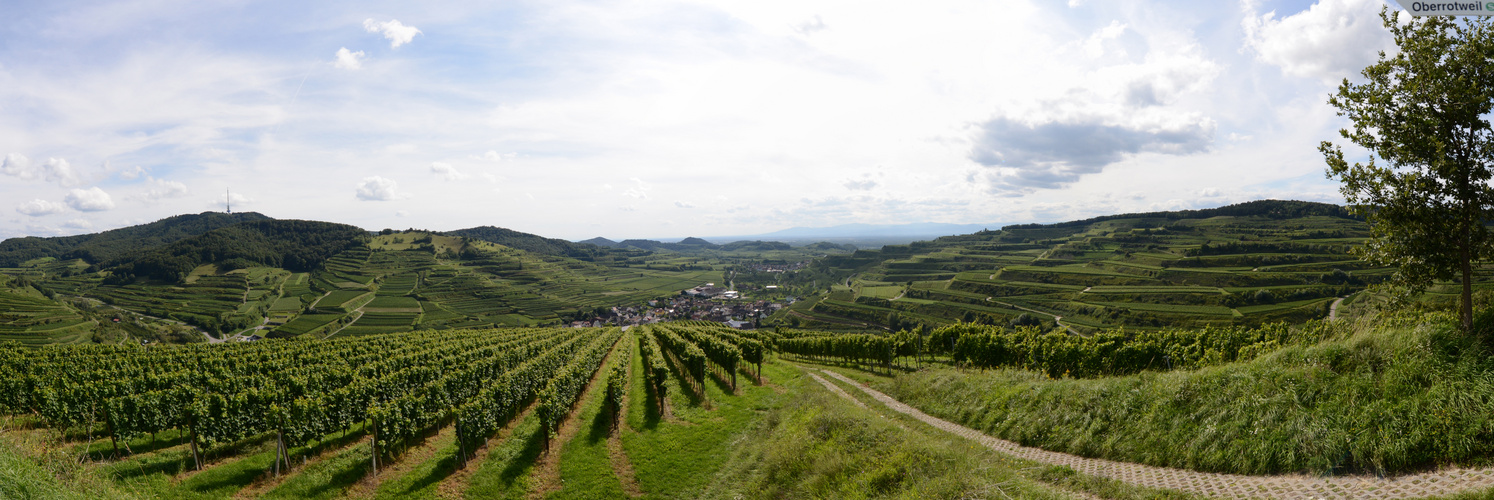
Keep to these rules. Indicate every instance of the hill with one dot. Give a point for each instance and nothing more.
(1248, 264)
(925, 229)
(1243, 264)
(599, 241)
(539, 244)
(114, 244)
(294, 245)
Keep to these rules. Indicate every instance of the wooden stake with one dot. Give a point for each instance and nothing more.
(196, 458)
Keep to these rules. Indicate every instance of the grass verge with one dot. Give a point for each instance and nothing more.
(1400, 395)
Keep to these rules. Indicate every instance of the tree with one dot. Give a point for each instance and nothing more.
(1422, 111)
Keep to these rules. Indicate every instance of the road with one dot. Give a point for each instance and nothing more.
(1057, 320)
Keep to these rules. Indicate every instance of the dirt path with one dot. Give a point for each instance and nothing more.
(1056, 318)
(1333, 308)
(1437, 483)
(357, 315)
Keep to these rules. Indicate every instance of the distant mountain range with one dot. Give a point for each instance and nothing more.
(872, 231)
(836, 237)
(171, 246)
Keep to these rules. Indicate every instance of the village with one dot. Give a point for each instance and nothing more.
(704, 303)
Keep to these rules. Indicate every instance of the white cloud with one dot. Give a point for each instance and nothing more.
(810, 26)
(639, 189)
(132, 173)
(38, 208)
(377, 188)
(861, 185)
(78, 224)
(54, 170)
(683, 204)
(446, 171)
(1095, 45)
(1332, 40)
(401, 213)
(57, 170)
(491, 156)
(162, 189)
(397, 34)
(347, 59)
(233, 201)
(17, 165)
(89, 200)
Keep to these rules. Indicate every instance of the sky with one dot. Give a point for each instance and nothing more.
(652, 119)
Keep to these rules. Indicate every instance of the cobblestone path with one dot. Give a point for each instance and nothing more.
(1296, 486)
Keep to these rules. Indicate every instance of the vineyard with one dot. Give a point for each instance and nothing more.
(694, 409)
(262, 410)
(1248, 264)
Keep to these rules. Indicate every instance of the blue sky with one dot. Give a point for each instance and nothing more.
(665, 119)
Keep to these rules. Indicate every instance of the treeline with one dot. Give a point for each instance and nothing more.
(118, 243)
(295, 245)
(1274, 209)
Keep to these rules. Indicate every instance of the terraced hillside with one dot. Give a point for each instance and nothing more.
(395, 282)
(1249, 264)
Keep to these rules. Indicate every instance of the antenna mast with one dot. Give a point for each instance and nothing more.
(227, 201)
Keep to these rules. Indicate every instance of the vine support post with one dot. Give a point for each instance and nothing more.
(196, 457)
(461, 447)
(373, 446)
(113, 439)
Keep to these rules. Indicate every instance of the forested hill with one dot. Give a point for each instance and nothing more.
(296, 245)
(537, 244)
(1274, 209)
(118, 243)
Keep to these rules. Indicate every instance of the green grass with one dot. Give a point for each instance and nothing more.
(881, 292)
(677, 458)
(55, 474)
(1391, 397)
(328, 477)
(423, 479)
(585, 466)
(818, 445)
(506, 472)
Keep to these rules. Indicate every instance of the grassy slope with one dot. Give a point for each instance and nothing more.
(53, 475)
(1395, 396)
(818, 445)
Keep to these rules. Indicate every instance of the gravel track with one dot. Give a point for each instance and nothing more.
(1435, 483)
